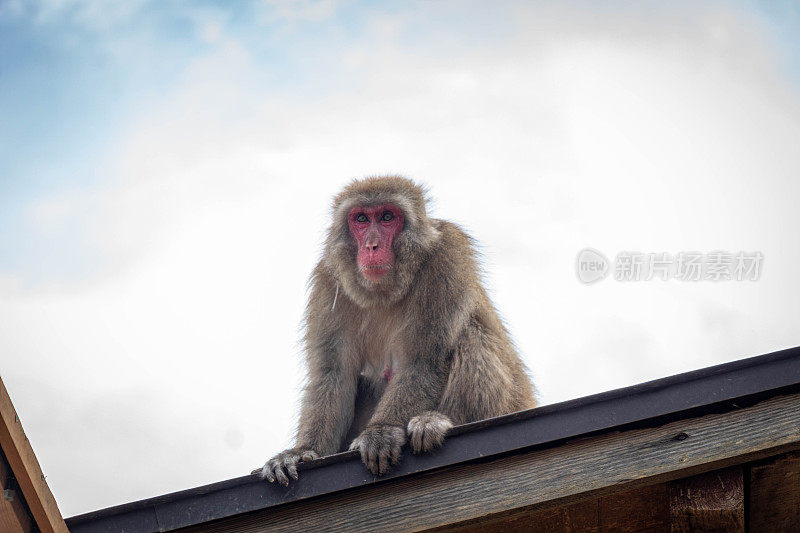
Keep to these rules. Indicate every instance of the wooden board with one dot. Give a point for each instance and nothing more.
(645, 509)
(585, 469)
(709, 502)
(26, 468)
(14, 517)
(775, 494)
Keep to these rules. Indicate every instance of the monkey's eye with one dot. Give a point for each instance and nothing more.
(361, 217)
(387, 216)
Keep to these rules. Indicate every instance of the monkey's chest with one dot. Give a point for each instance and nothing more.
(378, 344)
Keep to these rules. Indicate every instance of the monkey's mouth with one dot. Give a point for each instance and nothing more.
(375, 272)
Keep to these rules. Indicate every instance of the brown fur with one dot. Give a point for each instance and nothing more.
(430, 321)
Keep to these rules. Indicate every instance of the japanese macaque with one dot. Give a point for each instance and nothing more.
(401, 339)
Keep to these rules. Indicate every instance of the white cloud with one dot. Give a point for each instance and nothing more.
(579, 128)
(96, 15)
(294, 11)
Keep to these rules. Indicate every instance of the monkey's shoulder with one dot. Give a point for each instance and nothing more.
(453, 240)
(447, 283)
(454, 254)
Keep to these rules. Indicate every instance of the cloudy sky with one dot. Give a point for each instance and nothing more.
(166, 171)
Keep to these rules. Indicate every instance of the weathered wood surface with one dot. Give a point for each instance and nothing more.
(645, 509)
(26, 468)
(574, 518)
(638, 510)
(775, 495)
(710, 502)
(13, 515)
(584, 469)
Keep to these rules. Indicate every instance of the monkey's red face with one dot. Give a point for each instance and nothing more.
(374, 228)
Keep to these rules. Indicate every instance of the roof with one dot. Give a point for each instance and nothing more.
(691, 395)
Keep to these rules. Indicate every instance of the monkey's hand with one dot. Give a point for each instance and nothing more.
(426, 431)
(283, 463)
(380, 446)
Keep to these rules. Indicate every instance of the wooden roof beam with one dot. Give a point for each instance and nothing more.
(26, 469)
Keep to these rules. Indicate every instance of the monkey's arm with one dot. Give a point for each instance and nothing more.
(325, 415)
(327, 408)
(415, 388)
(329, 395)
(412, 391)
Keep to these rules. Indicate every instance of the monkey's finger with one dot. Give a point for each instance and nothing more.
(383, 461)
(436, 439)
(262, 472)
(427, 441)
(266, 472)
(309, 455)
(280, 475)
(292, 469)
(370, 457)
(397, 453)
(416, 441)
(373, 467)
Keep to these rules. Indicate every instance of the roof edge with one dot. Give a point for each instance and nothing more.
(709, 389)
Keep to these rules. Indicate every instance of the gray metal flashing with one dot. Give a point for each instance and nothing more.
(713, 389)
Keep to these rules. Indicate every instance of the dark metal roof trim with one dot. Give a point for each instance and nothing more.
(711, 389)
